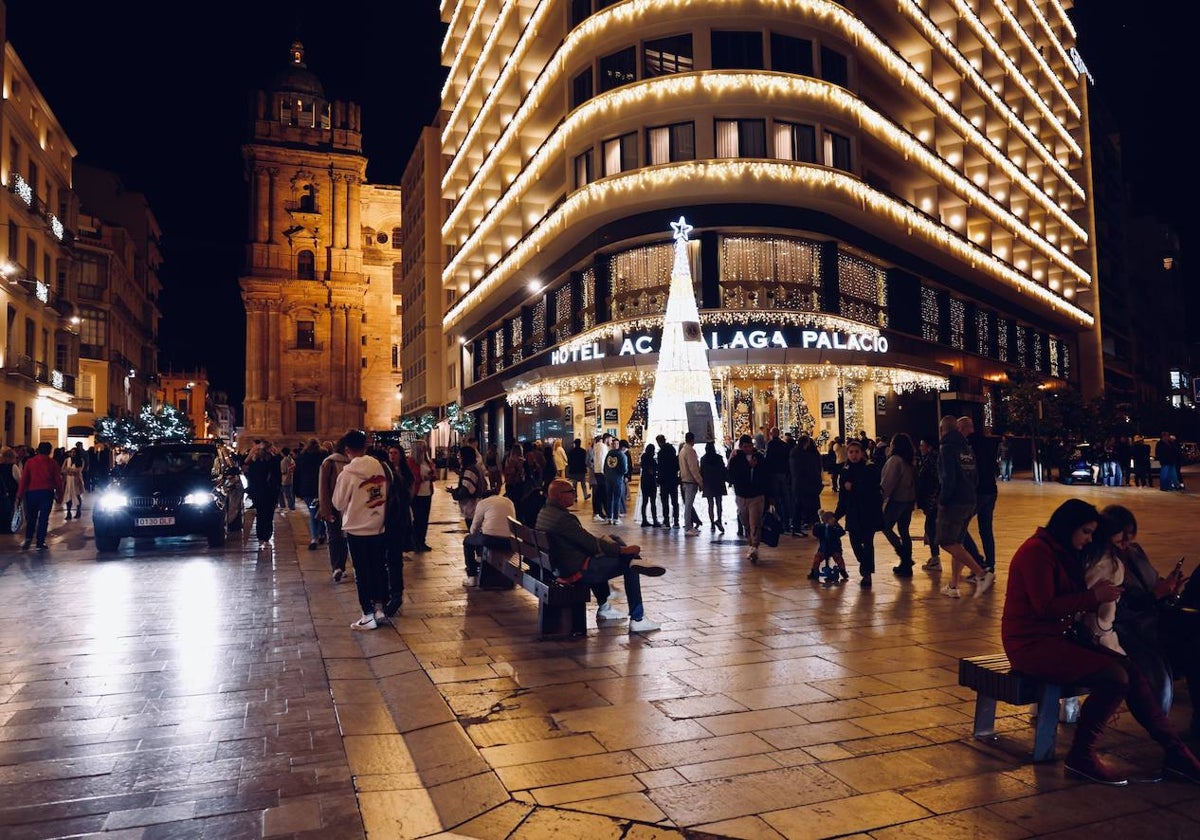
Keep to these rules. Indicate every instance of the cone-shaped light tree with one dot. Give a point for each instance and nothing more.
(683, 380)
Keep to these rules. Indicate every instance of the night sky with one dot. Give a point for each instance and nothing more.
(158, 93)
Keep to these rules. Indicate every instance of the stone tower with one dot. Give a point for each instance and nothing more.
(304, 288)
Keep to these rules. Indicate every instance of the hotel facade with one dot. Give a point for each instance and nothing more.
(891, 206)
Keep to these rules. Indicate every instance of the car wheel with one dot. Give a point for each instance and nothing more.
(108, 543)
(216, 538)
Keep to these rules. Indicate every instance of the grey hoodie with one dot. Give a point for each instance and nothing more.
(957, 471)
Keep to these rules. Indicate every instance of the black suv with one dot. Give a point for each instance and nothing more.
(171, 490)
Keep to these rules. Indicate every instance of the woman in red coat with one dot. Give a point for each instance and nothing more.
(1045, 590)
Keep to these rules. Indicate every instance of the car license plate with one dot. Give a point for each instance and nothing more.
(151, 521)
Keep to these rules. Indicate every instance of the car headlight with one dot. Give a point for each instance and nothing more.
(198, 498)
(112, 501)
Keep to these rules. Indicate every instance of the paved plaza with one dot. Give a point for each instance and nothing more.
(174, 691)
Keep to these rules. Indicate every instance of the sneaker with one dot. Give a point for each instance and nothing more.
(643, 625)
(338, 574)
(1091, 768)
(951, 591)
(470, 581)
(41, 546)
(933, 564)
(608, 612)
(367, 622)
(599, 518)
(692, 532)
(312, 546)
(645, 567)
(616, 522)
(985, 583)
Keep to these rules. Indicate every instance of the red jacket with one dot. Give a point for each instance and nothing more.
(1042, 596)
(41, 472)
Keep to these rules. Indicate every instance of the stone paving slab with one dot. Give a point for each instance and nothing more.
(188, 692)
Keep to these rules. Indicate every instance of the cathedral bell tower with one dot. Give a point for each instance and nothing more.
(304, 286)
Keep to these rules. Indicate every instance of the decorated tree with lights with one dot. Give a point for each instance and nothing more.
(152, 425)
(683, 375)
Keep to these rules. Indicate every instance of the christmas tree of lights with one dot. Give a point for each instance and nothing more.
(683, 375)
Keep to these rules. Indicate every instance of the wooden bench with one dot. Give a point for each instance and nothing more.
(562, 608)
(994, 679)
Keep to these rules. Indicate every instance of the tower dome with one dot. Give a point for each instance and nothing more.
(296, 78)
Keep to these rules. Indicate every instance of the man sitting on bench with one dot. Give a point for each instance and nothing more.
(580, 556)
(489, 529)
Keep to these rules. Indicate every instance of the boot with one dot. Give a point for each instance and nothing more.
(1082, 759)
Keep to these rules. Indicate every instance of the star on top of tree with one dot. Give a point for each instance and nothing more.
(682, 229)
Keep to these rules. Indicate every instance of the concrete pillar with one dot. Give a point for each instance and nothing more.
(338, 211)
(273, 340)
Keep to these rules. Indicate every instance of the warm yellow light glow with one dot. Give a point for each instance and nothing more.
(956, 220)
(535, 286)
(926, 204)
(923, 135)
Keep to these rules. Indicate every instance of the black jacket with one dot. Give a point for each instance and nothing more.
(859, 497)
(668, 466)
(749, 476)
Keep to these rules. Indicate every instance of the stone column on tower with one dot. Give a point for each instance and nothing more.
(337, 351)
(354, 214)
(261, 214)
(273, 341)
(338, 210)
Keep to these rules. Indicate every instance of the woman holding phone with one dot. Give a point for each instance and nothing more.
(1164, 642)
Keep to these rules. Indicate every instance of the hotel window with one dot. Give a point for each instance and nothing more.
(618, 69)
(665, 56)
(516, 338)
(741, 138)
(958, 323)
(837, 151)
(497, 355)
(737, 50)
(1004, 338)
(770, 272)
(306, 265)
(931, 315)
(983, 332)
(581, 88)
(583, 169)
(306, 335)
(796, 141)
(835, 67)
(306, 416)
(791, 55)
(92, 327)
(862, 291)
(620, 154)
(669, 143)
(1055, 348)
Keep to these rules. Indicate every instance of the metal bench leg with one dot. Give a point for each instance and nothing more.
(489, 576)
(1047, 723)
(985, 716)
(555, 622)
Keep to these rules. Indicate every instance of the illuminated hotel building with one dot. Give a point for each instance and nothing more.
(891, 205)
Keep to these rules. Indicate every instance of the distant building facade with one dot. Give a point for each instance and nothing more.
(39, 346)
(319, 303)
(188, 393)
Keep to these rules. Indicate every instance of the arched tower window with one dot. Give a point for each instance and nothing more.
(306, 266)
(308, 199)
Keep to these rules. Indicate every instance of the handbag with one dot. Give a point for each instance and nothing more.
(18, 516)
(771, 529)
(1078, 633)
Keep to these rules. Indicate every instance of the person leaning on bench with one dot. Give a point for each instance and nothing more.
(1046, 589)
(578, 555)
(488, 529)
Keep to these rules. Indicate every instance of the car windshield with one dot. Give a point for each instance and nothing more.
(170, 463)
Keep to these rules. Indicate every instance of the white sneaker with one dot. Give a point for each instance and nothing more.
(645, 567)
(608, 612)
(599, 518)
(951, 591)
(471, 580)
(933, 564)
(367, 622)
(985, 583)
(643, 625)
(338, 574)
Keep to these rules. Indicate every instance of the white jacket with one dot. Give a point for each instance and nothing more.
(361, 496)
(689, 465)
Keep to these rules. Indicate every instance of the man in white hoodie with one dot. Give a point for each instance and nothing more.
(361, 496)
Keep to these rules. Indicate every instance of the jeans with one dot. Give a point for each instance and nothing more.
(616, 496)
(420, 519)
(287, 497)
(668, 492)
(336, 543)
(898, 516)
(1006, 467)
(37, 514)
(600, 497)
(316, 528)
(690, 489)
(602, 568)
(370, 572)
(1166, 477)
(985, 510)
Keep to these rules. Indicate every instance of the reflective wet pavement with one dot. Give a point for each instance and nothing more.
(176, 691)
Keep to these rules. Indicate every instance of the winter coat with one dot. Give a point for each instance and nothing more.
(859, 498)
(957, 471)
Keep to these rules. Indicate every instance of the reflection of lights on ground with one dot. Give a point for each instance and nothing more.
(114, 599)
(198, 635)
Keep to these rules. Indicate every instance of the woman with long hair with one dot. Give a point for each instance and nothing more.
(1046, 590)
(73, 478)
(714, 479)
(424, 472)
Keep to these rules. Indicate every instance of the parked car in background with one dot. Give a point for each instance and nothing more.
(171, 490)
(1191, 452)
